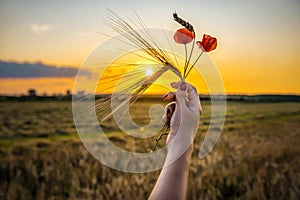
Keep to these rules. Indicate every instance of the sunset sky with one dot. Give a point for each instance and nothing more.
(258, 41)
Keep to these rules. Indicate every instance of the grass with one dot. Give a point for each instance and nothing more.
(41, 156)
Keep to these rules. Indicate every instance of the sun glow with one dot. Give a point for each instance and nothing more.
(149, 72)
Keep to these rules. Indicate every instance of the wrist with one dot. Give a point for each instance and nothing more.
(186, 146)
(179, 154)
(188, 153)
(183, 160)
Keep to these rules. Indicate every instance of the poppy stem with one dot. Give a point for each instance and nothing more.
(191, 52)
(193, 64)
(185, 62)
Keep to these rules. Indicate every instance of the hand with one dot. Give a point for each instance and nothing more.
(183, 115)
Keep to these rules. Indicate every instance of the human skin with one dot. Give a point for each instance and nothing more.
(173, 179)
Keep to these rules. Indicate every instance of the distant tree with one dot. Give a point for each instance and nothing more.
(32, 92)
(68, 93)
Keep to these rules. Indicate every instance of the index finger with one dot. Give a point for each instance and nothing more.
(193, 101)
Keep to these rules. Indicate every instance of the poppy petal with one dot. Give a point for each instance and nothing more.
(200, 45)
(183, 36)
(208, 43)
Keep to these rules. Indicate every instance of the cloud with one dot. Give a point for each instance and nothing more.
(36, 70)
(41, 28)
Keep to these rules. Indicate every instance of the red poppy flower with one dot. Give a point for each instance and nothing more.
(183, 36)
(208, 43)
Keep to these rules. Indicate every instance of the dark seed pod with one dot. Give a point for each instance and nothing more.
(175, 16)
(183, 22)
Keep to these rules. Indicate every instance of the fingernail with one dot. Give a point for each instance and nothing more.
(183, 86)
(164, 96)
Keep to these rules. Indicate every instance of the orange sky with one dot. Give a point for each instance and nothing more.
(258, 41)
(17, 86)
(144, 68)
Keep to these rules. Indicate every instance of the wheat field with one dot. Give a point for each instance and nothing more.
(256, 157)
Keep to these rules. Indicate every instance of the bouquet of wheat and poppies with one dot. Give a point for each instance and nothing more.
(147, 44)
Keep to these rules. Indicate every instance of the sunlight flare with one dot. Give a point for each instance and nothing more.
(148, 72)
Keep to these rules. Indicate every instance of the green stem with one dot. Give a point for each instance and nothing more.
(186, 74)
(184, 68)
(191, 52)
(157, 140)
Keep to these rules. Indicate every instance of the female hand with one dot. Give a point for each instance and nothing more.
(182, 115)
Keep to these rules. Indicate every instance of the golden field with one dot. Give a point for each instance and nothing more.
(256, 157)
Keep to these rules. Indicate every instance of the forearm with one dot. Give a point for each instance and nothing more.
(173, 179)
